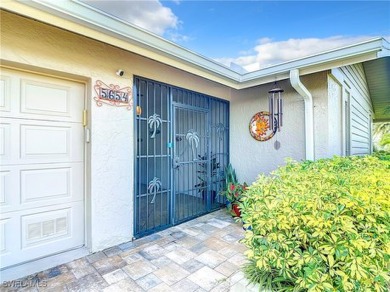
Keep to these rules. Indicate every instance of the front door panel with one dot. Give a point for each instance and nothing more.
(42, 166)
(191, 163)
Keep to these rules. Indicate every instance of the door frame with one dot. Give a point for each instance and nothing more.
(171, 107)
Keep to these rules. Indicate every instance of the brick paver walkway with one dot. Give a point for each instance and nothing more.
(200, 255)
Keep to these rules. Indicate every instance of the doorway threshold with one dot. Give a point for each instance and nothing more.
(25, 269)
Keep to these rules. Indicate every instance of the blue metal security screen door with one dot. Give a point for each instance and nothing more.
(181, 152)
(153, 157)
(191, 163)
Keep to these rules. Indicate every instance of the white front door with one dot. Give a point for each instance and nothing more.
(42, 166)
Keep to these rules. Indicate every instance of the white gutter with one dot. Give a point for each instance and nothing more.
(309, 120)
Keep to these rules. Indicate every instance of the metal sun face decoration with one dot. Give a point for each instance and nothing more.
(259, 127)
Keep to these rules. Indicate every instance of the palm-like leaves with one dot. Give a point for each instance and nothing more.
(154, 122)
(193, 139)
(153, 187)
(381, 136)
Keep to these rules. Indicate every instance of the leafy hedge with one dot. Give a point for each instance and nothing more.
(320, 226)
(382, 155)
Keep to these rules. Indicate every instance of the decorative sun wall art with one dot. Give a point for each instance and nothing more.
(259, 127)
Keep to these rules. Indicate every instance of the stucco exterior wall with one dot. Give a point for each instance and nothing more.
(335, 123)
(317, 86)
(34, 46)
(250, 157)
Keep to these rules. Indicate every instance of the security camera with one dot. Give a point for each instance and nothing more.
(120, 72)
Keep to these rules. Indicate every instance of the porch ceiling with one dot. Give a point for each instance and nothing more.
(378, 80)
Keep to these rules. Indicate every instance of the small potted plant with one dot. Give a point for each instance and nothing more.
(233, 192)
(203, 176)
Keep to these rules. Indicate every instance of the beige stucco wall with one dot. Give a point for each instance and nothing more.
(335, 125)
(29, 42)
(317, 85)
(35, 46)
(41, 48)
(250, 157)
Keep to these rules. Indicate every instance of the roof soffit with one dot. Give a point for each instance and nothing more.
(141, 42)
(378, 81)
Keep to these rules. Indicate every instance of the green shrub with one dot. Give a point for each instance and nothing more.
(382, 155)
(320, 226)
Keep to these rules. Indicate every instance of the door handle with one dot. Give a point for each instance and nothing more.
(176, 162)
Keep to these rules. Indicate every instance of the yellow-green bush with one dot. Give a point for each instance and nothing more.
(320, 226)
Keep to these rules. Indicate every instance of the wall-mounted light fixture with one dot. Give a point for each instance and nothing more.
(275, 101)
(120, 72)
(138, 110)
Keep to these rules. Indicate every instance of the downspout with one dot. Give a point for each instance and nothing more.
(309, 120)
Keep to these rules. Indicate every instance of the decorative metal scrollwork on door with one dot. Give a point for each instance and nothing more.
(154, 122)
(153, 187)
(193, 140)
(220, 130)
(181, 153)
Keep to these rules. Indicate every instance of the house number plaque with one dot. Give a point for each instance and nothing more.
(113, 95)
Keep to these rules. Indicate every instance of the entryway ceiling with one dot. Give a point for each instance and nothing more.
(378, 79)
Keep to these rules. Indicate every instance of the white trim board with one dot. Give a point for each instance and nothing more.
(36, 266)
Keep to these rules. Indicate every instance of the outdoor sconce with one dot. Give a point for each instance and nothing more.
(275, 101)
(120, 72)
(138, 110)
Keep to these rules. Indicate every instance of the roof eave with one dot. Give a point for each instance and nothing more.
(357, 53)
(82, 19)
(79, 18)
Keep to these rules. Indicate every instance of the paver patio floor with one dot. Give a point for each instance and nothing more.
(200, 255)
